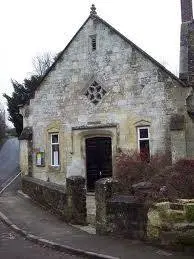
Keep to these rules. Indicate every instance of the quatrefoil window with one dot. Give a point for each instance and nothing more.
(95, 92)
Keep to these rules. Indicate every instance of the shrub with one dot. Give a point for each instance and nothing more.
(178, 180)
(168, 182)
(131, 167)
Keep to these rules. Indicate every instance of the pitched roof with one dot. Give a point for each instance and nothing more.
(124, 38)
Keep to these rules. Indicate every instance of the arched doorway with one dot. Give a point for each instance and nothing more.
(98, 159)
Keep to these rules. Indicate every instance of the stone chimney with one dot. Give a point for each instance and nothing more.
(186, 68)
(186, 10)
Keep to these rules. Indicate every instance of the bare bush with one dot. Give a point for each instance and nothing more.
(132, 167)
(167, 181)
(175, 181)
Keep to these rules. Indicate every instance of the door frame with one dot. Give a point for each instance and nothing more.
(78, 149)
(97, 136)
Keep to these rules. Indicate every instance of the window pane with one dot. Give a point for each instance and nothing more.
(143, 133)
(55, 138)
(55, 154)
(144, 150)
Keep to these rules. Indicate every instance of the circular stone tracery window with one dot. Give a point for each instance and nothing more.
(95, 92)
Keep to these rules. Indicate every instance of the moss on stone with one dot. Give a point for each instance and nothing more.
(154, 218)
(171, 226)
(162, 205)
(189, 211)
(153, 233)
(172, 216)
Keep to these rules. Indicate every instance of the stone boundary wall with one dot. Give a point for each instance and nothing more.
(167, 224)
(69, 203)
(171, 224)
(118, 214)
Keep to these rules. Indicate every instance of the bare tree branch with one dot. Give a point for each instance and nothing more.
(42, 62)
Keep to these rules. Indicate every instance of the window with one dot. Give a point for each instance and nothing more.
(55, 149)
(95, 92)
(144, 143)
(93, 42)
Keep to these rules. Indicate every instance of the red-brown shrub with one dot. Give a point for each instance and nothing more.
(178, 180)
(131, 167)
(168, 181)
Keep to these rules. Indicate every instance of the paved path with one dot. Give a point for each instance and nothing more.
(39, 222)
(13, 246)
(9, 161)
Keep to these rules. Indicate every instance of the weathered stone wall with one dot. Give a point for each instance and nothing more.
(104, 190)
(76, 194)
(172, 224)
(119, 215)
(70, 205)
(138, 93)
(24, 162)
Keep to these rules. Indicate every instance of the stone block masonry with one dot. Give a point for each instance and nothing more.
(70, 205)
(172, 224)
(76, 197)
(119, 215)
(133, 91)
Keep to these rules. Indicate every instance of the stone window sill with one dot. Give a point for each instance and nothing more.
(53, 168)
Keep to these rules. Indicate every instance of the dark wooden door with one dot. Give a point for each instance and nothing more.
(98, 160)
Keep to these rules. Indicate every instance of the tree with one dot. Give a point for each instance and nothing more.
(20, 96)
(24, 91)
(42, 62)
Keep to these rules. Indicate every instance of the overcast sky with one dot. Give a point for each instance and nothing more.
(31, 27)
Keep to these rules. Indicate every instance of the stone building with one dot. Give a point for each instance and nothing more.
(103, 94)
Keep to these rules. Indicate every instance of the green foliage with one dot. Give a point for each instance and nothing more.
(20, 96)
(24, 91)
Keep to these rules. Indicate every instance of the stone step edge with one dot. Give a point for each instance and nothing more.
(51, 244)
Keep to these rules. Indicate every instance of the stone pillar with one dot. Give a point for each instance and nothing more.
(76, 200)
(24, 157)
(119, 215)
(127, 217)
(26, 151)
(103, 192)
